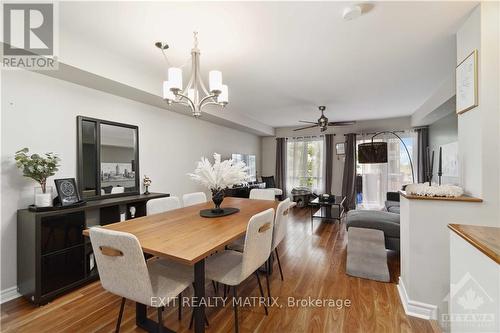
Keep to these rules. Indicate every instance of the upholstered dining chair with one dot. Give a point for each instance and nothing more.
(255, 194)
(123, 271)
(231, 267)
(262, 194)
(280, 226)
(279, 232)
(195, 198)
(160, 205)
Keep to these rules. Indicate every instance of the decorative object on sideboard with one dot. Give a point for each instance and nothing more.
(195, 95)
(449, 191)
(67, 192)
(147, 183)
(429, 167)
(440, 166)
(132, 211)
(107, 158)
(217, 177)
(466, 83)
(39, 168)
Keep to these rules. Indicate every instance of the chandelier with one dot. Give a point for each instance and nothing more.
(195, 95)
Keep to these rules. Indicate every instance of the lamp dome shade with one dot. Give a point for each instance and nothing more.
(372, 152)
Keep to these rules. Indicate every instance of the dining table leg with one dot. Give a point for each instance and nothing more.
(199, 293)
(142, 320)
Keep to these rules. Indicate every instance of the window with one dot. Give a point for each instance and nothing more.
(305, 163)
(378, 179)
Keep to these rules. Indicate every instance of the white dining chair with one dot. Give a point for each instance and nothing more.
(255, 194)
(160, 205)
(123, 271)
(262, 194)
(231, 267)
(195, 198)
(279, 232)
(117, 189)
(280, 227)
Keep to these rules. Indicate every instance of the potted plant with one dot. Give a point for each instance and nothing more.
(38, 168)
(218, 176)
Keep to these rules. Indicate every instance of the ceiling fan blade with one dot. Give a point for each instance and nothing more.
(341, 123)
(303, 128)
(308, 122)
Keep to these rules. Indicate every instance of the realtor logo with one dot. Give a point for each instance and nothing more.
(28, 35)
(471, 307)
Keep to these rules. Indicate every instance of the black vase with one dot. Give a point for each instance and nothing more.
(217, 198)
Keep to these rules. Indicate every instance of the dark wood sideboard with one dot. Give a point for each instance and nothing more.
(53, 257)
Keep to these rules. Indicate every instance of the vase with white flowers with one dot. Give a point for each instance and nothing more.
(219, 176)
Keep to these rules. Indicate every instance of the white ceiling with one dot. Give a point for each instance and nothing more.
(282, 59)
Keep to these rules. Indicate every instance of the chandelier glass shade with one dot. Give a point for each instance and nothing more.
(195, 95)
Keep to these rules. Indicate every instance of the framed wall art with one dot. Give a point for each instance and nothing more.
(466, 83)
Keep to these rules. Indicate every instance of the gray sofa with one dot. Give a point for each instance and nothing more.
(386, 221)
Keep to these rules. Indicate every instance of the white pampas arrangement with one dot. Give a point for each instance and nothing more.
(221, 174)
(450, 191)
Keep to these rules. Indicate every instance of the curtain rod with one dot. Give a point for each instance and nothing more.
(373, 133)
(304, 137)
(399, 131)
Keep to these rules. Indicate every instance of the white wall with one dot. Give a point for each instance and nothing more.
(40, 112)
(469, 141)
(478, 129)
(365, 126)
(472, 270)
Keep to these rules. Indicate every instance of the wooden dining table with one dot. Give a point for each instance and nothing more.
(186, 237)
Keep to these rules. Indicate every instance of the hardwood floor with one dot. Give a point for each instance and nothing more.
(313, 265)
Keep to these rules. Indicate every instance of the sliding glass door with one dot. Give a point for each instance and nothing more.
(378, 179)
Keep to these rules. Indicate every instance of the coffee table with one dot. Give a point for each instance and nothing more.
(325, 211)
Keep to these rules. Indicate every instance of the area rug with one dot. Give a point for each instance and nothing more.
(366, 255)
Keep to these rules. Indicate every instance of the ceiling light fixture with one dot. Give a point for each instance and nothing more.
(195, 95)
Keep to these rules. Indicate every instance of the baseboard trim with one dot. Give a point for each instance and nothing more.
(414, 308)
(9, 294)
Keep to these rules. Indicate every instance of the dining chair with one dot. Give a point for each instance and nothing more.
(123, 271)
(279, 232)
(231, 267)
(160, 205)
(195, 198)
(117, 189)
(262, 194)
(255, 194)
(279, 229)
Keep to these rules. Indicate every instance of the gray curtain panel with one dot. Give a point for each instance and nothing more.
(281, 164)
(348, 181)
(422, 144)
(328, 162)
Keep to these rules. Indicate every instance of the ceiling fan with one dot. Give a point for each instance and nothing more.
(323, 122)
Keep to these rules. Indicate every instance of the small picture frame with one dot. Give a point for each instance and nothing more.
(67, 191)
(466, 84)
(340, 148)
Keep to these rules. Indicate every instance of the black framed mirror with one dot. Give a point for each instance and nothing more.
(108, 158)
